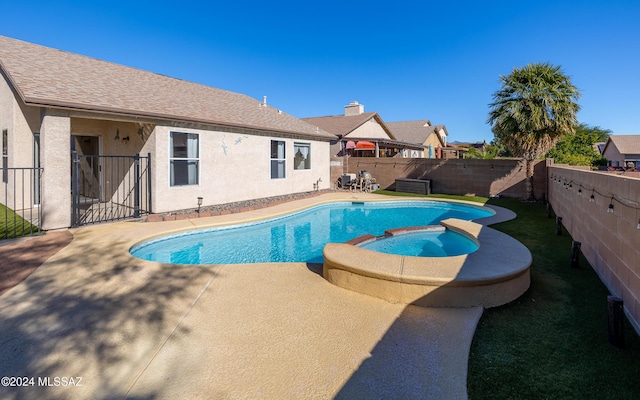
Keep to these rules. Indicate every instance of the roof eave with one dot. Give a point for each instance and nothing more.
(175, 118)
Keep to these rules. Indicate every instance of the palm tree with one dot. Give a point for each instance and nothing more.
(535, 106)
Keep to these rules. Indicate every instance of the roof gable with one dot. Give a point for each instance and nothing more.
(417, 131)
(342, 125)
(47, 77)
(626, 144)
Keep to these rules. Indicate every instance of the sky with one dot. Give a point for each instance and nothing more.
(405, 60)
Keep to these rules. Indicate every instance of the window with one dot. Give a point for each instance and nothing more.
(5, 156)
(302, 156)
(277, 159)
(184, 159)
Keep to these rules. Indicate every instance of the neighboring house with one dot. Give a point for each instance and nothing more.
(623, 151)
(202, 141)
(433, 138)
(363, 134)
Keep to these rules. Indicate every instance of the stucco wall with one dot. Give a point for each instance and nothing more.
(370, 129)
(433, 141)
(7, 105)
(56, 160)
(20, 122)
(610, 241)
(233, 167)
(613, 156)
(116, 137)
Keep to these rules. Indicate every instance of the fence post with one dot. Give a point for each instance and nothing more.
(136, 186)
(575, 254)
(149, 183)
(75, 186)
(615, 308)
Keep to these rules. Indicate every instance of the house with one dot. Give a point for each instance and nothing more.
(433, 138)
(623, 151)
(111, 138)
(363, 134)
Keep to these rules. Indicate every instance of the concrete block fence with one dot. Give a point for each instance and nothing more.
(504, 177)
(602, 211)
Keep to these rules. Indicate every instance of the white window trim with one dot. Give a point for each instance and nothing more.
(197, 159)
(308, 146)
(4, 143)
(282, 159)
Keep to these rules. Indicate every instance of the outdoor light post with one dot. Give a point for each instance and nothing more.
(199, 204)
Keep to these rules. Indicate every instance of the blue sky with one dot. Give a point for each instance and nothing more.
(406, 60)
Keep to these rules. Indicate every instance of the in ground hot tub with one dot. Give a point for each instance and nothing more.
(495, 274)
(427, 241)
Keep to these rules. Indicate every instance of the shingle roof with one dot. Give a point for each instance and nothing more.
(44, 76)
(340, 124)
(626, 144)
(413, 131)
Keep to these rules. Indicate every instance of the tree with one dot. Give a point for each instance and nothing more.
(578, 149)
(491, 150)
(535, 106)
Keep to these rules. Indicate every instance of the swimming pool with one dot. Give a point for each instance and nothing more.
(301, 236)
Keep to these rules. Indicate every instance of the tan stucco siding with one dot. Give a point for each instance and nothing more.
(432, 140)
(7, 105)
(116, 137)
(233, 167)
(21, 122)
(370, 129)
(18, 120)
(56, 160)
(613, 155)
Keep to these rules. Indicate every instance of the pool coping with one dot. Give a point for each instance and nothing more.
(496, 274)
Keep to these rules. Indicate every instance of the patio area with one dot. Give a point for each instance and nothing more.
(137, 329)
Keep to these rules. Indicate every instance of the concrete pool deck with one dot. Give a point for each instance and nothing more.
(137, 329)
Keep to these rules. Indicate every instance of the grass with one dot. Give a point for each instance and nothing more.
(476, 199)
(12, 225)
(552, 342)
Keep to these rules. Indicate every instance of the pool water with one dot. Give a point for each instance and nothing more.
(301, 236)
(427, 243)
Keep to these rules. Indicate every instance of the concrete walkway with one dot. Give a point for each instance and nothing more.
(128, 328)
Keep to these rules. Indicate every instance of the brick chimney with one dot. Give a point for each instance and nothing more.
(353, 109)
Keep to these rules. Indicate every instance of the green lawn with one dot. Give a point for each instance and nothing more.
(12, 225)
(551, 343)
(477, 199)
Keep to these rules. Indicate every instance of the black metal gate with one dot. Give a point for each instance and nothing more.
(109, 188)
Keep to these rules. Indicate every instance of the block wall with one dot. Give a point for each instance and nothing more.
(505, 177)
(610, 240)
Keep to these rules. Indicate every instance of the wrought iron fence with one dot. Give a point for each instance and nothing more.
(20, 209)
(109, 188)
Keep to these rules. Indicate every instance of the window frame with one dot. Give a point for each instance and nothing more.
(5, 155)
(277, 159)
(306, 160)
(188, 158)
